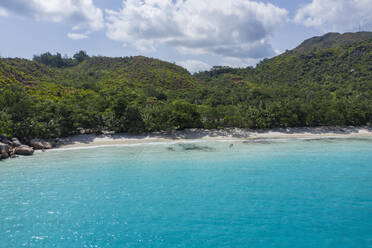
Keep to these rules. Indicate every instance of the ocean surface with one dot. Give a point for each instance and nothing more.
(268, 193)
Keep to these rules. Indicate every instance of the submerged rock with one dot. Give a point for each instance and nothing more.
(191, 147)
(24, 150)
(257, 141)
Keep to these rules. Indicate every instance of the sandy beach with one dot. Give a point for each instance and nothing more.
(89, 140)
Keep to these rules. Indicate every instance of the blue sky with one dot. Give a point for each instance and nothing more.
(196, 34)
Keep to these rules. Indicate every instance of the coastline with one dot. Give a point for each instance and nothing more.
(233, 134)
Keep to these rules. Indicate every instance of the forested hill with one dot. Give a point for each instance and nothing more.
(332, 40)
(325, 81)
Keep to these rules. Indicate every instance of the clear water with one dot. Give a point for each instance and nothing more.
(314, 193)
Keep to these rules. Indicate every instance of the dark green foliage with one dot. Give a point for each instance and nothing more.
(59, 61)
(184, 115)
(80, 56)
(326, 81)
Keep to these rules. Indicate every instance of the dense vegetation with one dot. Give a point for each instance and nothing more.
(59, 61)
(314, 84)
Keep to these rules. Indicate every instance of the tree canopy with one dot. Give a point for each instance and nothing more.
(60, 62)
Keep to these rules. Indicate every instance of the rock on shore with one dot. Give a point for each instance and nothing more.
(4, 150)
(12, 147)
(41, 144)
(15, 142)
(24, 150)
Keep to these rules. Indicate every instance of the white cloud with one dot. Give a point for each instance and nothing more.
(239, 62)
(194, 65)
(77, 36)
(233, 28)
(336, 15)
(80, 13)
(3, 12)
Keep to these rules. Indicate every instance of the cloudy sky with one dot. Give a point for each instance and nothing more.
(193, 33)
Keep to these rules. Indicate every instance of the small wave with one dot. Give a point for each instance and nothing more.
(39, 237)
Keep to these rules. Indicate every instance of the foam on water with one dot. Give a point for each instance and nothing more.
(264, 193)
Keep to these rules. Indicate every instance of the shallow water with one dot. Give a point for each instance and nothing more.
(282, 193)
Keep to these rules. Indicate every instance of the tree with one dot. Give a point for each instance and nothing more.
(80, 56)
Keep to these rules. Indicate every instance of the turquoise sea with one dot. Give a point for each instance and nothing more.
(268, 193)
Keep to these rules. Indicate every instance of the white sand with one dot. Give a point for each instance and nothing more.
(223, 134)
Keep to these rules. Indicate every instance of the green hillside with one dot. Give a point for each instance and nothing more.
(325, 81)
(331, 40)
(330, 86)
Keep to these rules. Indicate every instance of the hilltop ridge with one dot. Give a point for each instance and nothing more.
(330, 40)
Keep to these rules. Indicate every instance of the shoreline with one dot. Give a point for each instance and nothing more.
(233, 134)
